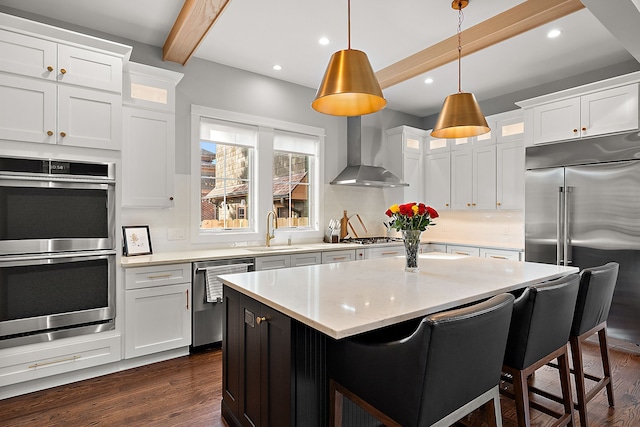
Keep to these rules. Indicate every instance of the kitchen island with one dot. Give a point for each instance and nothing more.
(279, 323)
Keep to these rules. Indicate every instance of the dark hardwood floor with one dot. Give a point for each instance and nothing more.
(186, 392)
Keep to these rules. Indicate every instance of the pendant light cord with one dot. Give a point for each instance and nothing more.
(460, 19)
(349, 24)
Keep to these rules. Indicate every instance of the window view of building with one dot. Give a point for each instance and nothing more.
(226, 185)
(229, 164)
(291, 189)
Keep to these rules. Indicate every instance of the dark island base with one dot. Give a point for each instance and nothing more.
(275, 371)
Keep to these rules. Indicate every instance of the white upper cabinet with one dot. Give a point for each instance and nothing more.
(473, 178)
(39, 111)
(55, 89)
(148, 149)
(600, 108)
(44, 59)
(483, 172)
(438, 180)
(510, 175)
(411, 141)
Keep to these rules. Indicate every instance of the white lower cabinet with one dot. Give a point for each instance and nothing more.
(384, 252)
(500, 254)
(157, 309)
(338, 256)
(26, 363)
(463, 250)
(433, 247)
(310, 258)
(274, 262)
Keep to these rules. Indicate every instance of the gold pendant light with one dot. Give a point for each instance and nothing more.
(461, 116)
(349, 86)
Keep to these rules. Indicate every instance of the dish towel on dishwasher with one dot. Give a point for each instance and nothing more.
(213, 286)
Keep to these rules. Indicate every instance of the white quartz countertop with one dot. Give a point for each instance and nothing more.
(247, 251)
(345, 299)
(237, 252)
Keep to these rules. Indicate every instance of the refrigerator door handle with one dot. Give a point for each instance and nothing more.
(566, 238)
(560, 227)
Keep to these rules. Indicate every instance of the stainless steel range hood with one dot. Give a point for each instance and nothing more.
(358, 174)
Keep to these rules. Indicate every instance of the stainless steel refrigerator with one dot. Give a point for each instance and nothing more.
(582, 208)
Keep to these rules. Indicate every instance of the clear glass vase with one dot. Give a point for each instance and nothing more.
(411, 239)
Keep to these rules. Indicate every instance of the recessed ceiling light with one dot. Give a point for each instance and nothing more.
(323, 41)
(428, 80)
(554, 33)
(277, 67)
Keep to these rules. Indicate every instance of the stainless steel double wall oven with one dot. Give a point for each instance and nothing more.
(57, 249)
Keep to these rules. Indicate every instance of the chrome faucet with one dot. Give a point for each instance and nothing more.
(275, 226)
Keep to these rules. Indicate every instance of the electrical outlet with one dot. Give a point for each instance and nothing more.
(175, 233)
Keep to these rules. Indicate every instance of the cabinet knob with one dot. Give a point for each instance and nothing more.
(63, 71)
(584, 129)
(468, 204)
(63, 134)
(498, 204)
(446, 204)
(473, 204)
(575, 130)
(49, 68)
(261, 319)
(171, 198)
(49, 132)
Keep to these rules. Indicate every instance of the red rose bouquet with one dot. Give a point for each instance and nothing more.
(411, 216)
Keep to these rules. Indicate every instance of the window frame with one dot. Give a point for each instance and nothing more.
(262, 179)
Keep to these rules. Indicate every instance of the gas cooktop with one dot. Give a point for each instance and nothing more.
(371, 240)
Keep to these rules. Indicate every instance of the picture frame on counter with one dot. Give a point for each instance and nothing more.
(136, 240)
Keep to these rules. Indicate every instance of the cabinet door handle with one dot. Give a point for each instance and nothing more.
(63, 71)
(584, 129)
(498, 257)
(390, 253)
(468, 204)
(53, 362)
(159, 276)
(473, 204)
(446, 204)
(461, 253)
(49, 68)
(261, 319)
(49, 132)
(187, 299)
(498, 204)
(63, 134)
(575, 130)
(339, 258)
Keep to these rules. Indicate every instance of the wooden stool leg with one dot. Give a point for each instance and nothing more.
(335, 405)
(578, 370)
(565, 383)
(606, 366)
(521, 392)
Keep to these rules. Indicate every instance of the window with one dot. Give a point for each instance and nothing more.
(244, 166)
(226, 153)
(293, 159)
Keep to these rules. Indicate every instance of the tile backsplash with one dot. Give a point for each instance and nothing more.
(488, 228)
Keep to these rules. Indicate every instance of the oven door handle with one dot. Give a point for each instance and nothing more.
(53, 258)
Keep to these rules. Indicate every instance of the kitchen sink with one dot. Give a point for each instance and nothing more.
(273, 248)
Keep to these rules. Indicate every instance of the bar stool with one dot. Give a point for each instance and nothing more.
(431, 372)
(539, 333)
(597, 285)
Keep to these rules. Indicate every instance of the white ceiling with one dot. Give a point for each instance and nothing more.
(256, 34)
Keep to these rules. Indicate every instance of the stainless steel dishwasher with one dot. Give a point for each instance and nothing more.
(206, 317)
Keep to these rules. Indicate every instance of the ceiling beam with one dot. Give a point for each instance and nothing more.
(510, 23)
(191, 26)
